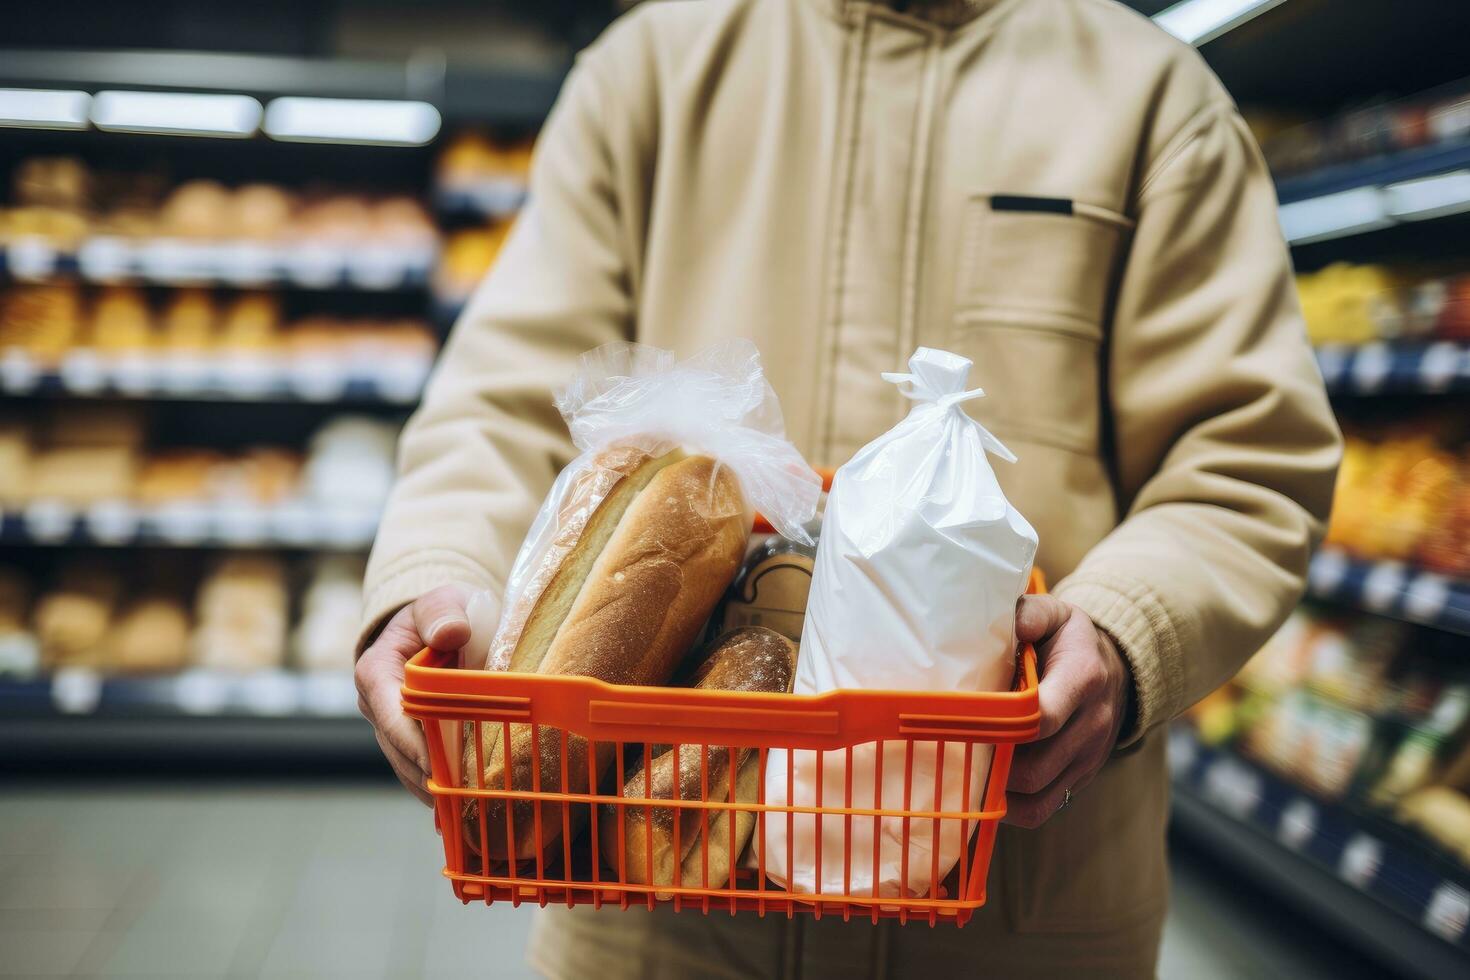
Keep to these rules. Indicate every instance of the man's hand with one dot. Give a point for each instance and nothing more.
(1085, 691)
(441, 619)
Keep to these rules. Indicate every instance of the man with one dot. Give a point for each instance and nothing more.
(1054, 188)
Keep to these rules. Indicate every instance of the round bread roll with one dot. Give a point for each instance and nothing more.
(197, 209)
(752, 658)
(646, 548)
(261, 212)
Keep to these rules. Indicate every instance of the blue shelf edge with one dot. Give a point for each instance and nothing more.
(1436, 367)
(1376, 171)
(1390, 588)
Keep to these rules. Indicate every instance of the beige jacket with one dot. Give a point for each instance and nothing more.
(838, 182)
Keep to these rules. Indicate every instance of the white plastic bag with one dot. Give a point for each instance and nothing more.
(717, 403)
(918, 570)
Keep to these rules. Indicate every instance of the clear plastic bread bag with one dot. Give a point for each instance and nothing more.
(918, 571)
(717, 403)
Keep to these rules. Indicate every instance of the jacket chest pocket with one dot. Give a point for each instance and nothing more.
(1034, 281)
(1044, 260)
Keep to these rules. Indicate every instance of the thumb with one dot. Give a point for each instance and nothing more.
(1039, 616)
(440, 619)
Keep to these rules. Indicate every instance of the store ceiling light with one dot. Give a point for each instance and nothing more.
(182, 113)
(1198, 21)
(1334, 215)
(382, 122)
(37, 108)
(1429, 197)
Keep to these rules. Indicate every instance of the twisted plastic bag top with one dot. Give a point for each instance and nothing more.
(628, 399)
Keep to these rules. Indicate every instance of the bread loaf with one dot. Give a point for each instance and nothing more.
(640, 847)
(646, 548)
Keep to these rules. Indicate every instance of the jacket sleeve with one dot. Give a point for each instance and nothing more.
(477, 457)
(1225, 446)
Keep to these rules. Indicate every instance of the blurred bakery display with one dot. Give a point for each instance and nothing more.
(206, 358)
(195, 341)
(109, 227)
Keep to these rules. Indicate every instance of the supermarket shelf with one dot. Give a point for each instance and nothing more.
(1374, 172)
(1383, 369)
(96, 746)
(1416, 185)
(167, 261)
(196, 717)
(117, 524)
(485, 199)
(321, 380)
(1391, 588)
(1378, 890)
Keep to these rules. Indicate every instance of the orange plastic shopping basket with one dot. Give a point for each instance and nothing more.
(570, 868)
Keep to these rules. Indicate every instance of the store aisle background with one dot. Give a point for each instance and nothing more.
(231, 879)
(202, 385)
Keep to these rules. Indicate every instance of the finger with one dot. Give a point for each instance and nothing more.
(439, 616)
(1059, 694)
(413, 779)
(1071, 673)
(379, 678)
(1031, 810)
(1039, 616)
(1037, 765)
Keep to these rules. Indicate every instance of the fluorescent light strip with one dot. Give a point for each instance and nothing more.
(382, 122)
(181, 113)
(1334, 215)
(1198, 21)
(36, 108)
(1429, 197)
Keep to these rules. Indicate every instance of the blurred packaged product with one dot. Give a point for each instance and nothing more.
(330, 609)
(57, 182)
(1345, 303)
(1351, 708)
(59, 200)
(1404, 497)
(15, 463)
(198, 337)
(1370, 130)
(71, 620)
(473, 157)
(1441, 813)
(175, 476)
(19, 653)
(197, 209)
(260, 211)
(121, 322)
(241, 615)
(43, 321)
(190, 321)
(466, 258)
(350, 464)
(149, 635)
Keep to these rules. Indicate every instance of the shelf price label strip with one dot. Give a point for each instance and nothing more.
(1440, 367)
(173, 261)
(1392, 589)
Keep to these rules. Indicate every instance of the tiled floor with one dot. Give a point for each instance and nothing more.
(274, 880)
